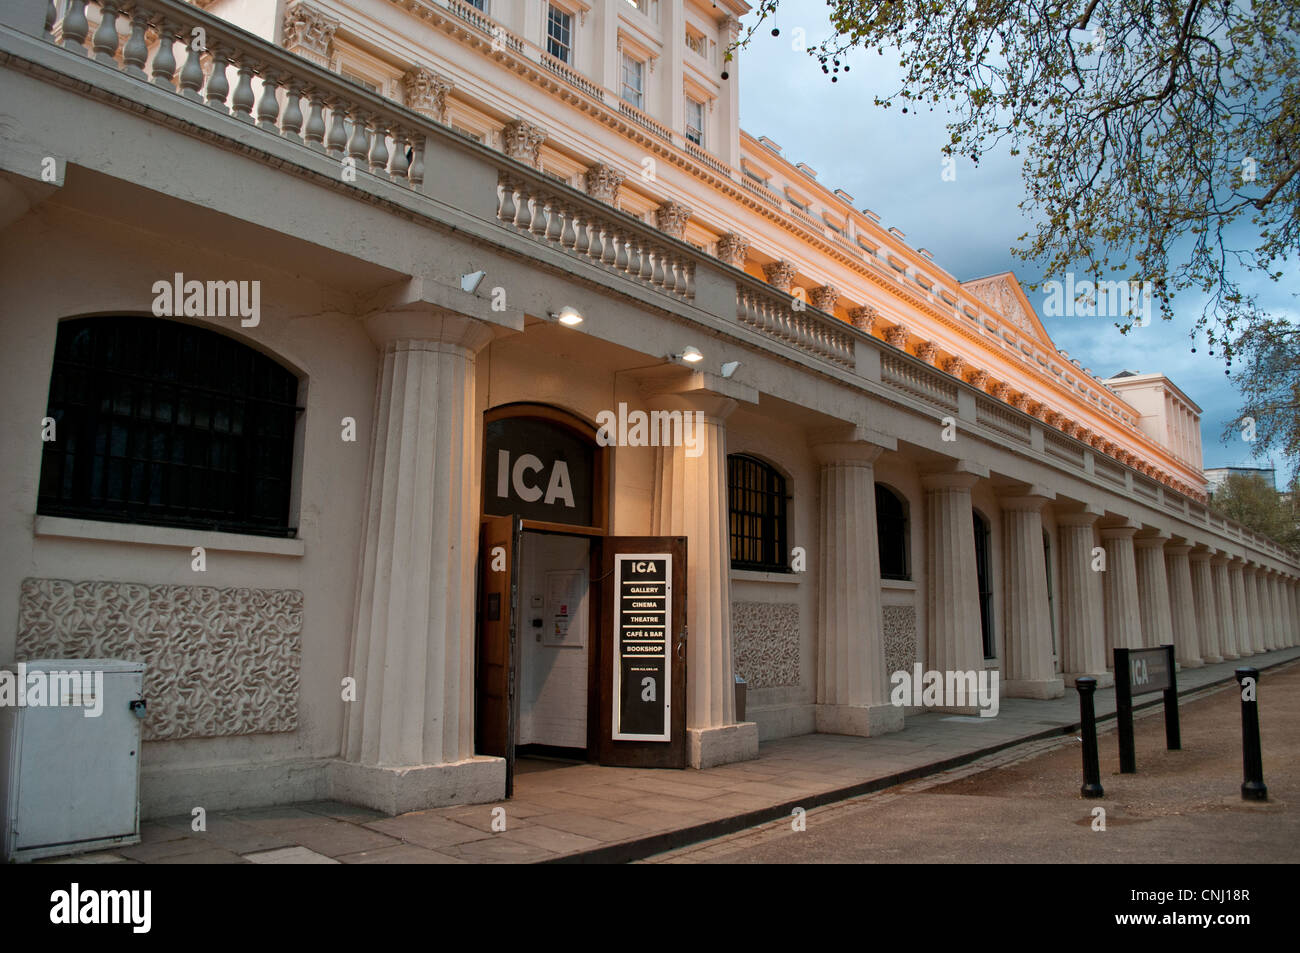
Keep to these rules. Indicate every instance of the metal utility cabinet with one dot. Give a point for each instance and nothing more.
(70, 779)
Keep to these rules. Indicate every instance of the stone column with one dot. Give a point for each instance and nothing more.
(1083, 626)
(1187, 639)
(1264, 632)
(1119, 585)
(1223, 607)
(690, 499)
(952, 587)
(1153, 590)
(1207, 613)
(1274, 611)
(852, 681)
(410, 734)
(1242, 586)
(1250, 578)
(1028, 634)
(1289, 635)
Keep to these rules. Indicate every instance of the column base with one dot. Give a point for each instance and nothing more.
(862, 721)
(710, 747)
(397, 790)
(1034, 687)
(1104, 679)
(1230, 656)
(1191, 663)
(1213, 659)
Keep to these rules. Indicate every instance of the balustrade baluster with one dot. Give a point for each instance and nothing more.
(359, 141)
(192, 73)
(106, 39)
(525, 214)
(291, 119)
(634, 253)
(315, 131)
(51, 16)
(242, 99)
(74, 26)
(337, 140)
(582, 240)
(555, 222)
(398, 167)
(416, 172)
(218, 87)
(569, 236)
(647, 264)
(657, 276)
(608, 251)
(268, 106)
(379, 147)
(620, 256)
(538, 224)
(507, 211)
(164, 58)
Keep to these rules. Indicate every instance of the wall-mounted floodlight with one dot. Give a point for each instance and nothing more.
(569, 316)
(690, 355)
(730, 368)
(469, 283)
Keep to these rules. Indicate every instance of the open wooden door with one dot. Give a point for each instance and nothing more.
(638, 676)
(496, 705)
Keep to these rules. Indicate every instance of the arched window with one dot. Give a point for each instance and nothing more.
(891, 534)
(984, 576)
(757, 503)
(168, 424)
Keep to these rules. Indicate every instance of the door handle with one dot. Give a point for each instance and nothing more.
(681, 649)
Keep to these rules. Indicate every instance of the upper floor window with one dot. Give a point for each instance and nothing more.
(633, 81)
(757, 503)
(756, 177)
(559, 34)
(359, 80)
(480, 5)
(695, 121)
(168, 424)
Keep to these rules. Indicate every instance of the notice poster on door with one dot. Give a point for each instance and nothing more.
(566, 623)
(642, 610)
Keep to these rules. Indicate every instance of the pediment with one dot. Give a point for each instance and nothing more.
(1003, 296)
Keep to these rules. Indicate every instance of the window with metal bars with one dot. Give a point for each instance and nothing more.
(168, 424)
(984, 577)
(891, 534)
(757, 503)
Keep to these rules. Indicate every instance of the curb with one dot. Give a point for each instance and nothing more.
(642, 847)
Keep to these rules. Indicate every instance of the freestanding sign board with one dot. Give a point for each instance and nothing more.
(642, 621)
(1137, 672)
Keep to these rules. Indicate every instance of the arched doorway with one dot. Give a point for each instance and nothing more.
(580, 651)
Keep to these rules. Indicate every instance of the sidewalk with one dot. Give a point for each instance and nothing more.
(589, 813)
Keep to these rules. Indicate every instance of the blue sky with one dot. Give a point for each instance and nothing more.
(891, 163)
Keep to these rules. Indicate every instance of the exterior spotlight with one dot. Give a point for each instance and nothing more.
(690, 355)
(469, 283)
(729, 368)
(569, 316)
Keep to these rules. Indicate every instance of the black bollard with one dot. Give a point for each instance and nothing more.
(1252, 761)
(1088, 732)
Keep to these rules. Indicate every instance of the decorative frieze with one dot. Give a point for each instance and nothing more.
(217, 661)
(522, 141)
(308, 32)
(780, 274)
(824, 297)
(900, 638)
(603, 182)
(864, 318)
(671, 218)
(733, 248)
(425, 92)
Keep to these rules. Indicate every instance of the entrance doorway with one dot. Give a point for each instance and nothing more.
(581, 644)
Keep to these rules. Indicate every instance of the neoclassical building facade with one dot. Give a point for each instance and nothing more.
(318, 315)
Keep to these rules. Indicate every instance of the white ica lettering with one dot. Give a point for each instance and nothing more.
(559, 485)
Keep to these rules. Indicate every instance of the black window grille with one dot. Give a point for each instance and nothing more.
(168, 424)
(985, 583)
(757, 501)
(891, 534)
